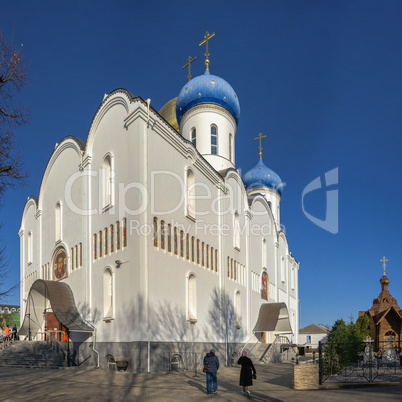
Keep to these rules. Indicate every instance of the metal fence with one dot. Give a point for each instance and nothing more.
(359, 362)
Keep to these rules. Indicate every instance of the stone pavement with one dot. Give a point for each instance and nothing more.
(67, 384)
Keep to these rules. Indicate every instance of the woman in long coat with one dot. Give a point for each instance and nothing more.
(246, 372)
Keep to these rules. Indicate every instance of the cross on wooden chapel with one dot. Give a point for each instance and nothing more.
(383, 260)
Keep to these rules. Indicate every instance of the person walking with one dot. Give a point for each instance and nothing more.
(7, 331)
(246, 373)
(14, 335)
(211, 367)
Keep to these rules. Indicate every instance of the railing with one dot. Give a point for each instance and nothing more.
(7, 340)
(357, 362)
(58, 347)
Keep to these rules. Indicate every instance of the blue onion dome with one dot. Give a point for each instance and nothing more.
(264, 177)
(207, 88)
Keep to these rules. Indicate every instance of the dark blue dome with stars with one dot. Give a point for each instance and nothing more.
(207, 88)
(262, 176)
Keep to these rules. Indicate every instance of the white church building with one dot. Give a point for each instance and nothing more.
(145, 244)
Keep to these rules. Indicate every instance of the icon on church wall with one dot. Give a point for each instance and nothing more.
(59, 264)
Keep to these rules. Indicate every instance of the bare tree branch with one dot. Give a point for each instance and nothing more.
(13, 77)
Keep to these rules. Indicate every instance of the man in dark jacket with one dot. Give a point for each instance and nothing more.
(212, 363)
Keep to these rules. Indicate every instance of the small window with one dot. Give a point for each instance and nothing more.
(72, 258)
(216, 260)
(187, 246)
(57, 214)
(124, 232)
(308, 338)
(175, 243)
(193, 137)
(163, 230)
(230, 147)
(182, 243)
(190, 192)
(95, 247)
(169, 235)
(264, 286)
(107, 294)
(192, 298)
(237, 231)
(214, 140)
(106, 242)
(118, 235)
(192, 248)
(80, 251)
(198, 251)
(111, 229)
(156, 232)
(100, 243)
(107, 181)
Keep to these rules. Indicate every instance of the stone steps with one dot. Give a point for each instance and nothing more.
(30, 354)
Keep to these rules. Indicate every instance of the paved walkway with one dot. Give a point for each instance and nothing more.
(273, 384)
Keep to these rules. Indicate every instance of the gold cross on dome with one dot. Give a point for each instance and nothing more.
(383, 260)
(260, 137)
(189, 61)
(207, 36)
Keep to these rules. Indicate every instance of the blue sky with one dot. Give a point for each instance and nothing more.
(322, 79)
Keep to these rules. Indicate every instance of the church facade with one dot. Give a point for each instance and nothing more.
(146, 243)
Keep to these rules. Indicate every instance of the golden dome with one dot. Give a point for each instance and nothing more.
(168, 112)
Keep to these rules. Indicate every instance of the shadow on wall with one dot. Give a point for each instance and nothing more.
(170, 331)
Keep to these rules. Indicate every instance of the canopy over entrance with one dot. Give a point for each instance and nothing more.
(62, 304)
(273, 317)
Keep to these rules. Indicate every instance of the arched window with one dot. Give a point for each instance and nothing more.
(107, 294)
(203, 254)
(111, 228)
(80, 251)
(155, 231)
(193, 137)
(100, 243)
(238, 309)
(228, 267)
(187, 246)
(72, 258)
(175, 245)
(169, 237)
(212, 258)
(163, 230)
(192, 298)
(57, 216)
(192, 248)
(207, 255)
(293, 279)
(76, 256)
(230, 147)
(283, 269)
(198, 251)
(107, 181)
(190, 193)
(106, 242)
(117, 235)
(181, 243)
(264, 286)
(214, 140)
(30, 247)
(236, 231)
(124, 232)
(216, 260)
(95, 247)
(264, 253)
